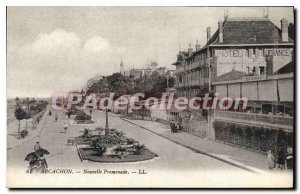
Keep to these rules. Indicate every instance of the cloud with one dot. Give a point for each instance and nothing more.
(96, 44)
(57, 61)
(58, 39)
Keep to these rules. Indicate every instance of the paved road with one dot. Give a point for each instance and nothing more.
(174, 162)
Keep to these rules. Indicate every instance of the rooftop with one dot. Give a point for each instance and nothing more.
(248, 31)
(232, 75)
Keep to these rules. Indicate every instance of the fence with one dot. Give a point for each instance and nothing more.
(255, 138)
(259, 118)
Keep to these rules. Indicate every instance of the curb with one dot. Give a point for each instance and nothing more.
(80, 156)
(196, 150)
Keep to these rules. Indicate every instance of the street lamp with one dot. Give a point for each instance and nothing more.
(106, 123)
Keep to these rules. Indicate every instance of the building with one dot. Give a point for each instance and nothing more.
(151, 68)
(251, 45)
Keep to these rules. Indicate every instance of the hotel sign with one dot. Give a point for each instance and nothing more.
(279, 52)
(231, 53)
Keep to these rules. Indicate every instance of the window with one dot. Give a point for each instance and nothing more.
(288, 111)
(180, 79)
(267, 109)
(261, 70)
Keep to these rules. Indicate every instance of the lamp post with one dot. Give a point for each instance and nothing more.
(106, 123)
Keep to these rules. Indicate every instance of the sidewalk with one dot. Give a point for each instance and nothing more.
(12, 131)
(234, 155)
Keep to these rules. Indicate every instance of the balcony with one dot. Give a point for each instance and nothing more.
(181, 84)
(194, 82)
(180, 70)
(194, 65)
(283, 122)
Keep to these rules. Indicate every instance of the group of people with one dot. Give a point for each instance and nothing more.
(283, 160)
(175, 127)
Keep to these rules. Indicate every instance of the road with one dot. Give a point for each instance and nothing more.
(176, 165)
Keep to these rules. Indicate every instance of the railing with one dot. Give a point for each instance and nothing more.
(259, 118)
(181, 84)
(194, 65)
(194, 82)
(180, 70)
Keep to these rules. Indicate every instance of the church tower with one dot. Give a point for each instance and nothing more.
(122, 68)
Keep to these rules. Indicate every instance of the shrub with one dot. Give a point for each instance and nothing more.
(86, 133)
(130, 141)
(98, 147)
(82, 116)
(138, 149)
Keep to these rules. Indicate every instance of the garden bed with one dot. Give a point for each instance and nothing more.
(84, 122)
(91, 155)
(110, 146)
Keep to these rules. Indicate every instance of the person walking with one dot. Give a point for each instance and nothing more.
(289, 157)
(66, 126)
(172, 125)
(281, 158)
(271, 159)
(56, 117)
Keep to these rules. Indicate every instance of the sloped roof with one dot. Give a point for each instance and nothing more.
(183, 54)
(248, 31)
(232, 75)
(288, 68)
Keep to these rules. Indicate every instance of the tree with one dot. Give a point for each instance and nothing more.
(20, 114)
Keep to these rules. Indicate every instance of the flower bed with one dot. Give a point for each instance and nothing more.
(85, 122)
(91, 155)
(113, 147)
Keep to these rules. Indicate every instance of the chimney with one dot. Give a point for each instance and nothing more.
(284, 30)
(208, 33)
(220, 31)
(190, 50)
(197, 45)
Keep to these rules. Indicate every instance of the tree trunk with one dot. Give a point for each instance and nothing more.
(19, 129)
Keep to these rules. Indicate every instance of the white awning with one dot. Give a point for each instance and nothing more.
(267, 90)
(286, 90)
(249, 90)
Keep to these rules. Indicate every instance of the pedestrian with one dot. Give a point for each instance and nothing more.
(56, 117)
(66, 127)
(281, 158)
(91, 111)
(37, 146)
(271, 159)
(289, 157)
(69, 114)
(179, 127)
(50, 113)
(172, 125)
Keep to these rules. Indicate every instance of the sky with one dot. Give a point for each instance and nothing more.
(57, 49)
